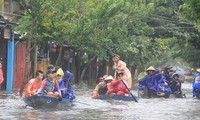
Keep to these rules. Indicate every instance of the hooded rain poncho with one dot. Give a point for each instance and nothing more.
(64, 83)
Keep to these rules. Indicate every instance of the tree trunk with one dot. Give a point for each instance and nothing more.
(90, 76)
(34, 59)
(84, 70)
(27, 66)
(59, 56)
(78, 67)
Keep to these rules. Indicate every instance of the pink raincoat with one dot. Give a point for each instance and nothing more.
(1, 74)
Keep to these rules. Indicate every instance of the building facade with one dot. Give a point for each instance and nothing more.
(9, 9)
(8, 12)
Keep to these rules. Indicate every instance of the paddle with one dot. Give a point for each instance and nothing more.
(129, 91)
(119, 75)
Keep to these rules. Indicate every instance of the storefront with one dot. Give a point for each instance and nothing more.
(6, 53)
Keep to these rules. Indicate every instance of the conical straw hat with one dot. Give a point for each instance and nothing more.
(109, 78)
(198, 70)
(150, 68)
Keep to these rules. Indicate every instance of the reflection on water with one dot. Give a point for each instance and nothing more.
(13, 108)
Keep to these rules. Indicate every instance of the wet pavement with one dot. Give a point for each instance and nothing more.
(12, 107)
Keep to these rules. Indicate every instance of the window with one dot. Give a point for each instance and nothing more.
(6, 8)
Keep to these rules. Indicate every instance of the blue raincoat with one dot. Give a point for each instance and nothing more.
(64, 83)
(196, 84)
(154, 82)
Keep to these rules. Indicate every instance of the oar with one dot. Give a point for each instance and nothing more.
(130, 92)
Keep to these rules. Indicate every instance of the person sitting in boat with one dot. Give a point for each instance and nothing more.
(176, 84)
(59, 74)
(121, 68)
(117, 86)
(50, 86)
(142, 84)
(142, 75)
(65, 86)
(154, 81)
(96, 89)
(102, 87)
(51, 67)
(162, 82)
(196, 84)
(167, 72)
(34, 84)
(101, 79)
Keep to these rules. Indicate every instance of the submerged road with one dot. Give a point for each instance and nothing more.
(13, 108)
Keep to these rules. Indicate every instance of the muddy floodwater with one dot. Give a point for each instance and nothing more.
(12, 107)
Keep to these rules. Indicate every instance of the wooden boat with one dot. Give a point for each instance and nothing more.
(152, 94)
(115, 97)
(43, 101)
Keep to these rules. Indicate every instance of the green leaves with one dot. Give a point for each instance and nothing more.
(191, 10)
(142, 32)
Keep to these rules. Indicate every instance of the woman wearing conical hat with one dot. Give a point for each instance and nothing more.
(150, 70)
(154, 81)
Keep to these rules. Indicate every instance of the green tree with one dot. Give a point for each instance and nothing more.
(142, 32)
(191, 9)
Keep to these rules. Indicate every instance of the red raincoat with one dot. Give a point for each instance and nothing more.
(117, 87)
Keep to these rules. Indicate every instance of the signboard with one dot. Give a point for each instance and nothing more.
(7, 33)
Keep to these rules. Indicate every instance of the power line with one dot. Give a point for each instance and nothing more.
(160, 27)
(170, 21)
(166, 17)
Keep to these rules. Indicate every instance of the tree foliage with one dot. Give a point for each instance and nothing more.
(191, 10)
(142, 32)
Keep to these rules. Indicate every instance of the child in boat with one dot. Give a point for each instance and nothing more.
(34, 84)
(50, 86)
(65, 86)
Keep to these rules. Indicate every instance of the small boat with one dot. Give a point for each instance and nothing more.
(197, 93)
(44, 101)
(152, 94)
(179, 95)
(115, 97)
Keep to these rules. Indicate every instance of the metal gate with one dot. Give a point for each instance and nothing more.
(19, 65)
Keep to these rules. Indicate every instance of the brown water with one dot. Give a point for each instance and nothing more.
(13, 108)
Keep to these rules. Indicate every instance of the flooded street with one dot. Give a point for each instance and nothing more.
(13, 108)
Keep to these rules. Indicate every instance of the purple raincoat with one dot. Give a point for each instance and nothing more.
(154, 82)
(64, 83)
